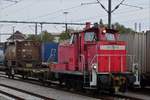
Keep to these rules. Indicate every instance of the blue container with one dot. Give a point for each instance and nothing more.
(49, 52)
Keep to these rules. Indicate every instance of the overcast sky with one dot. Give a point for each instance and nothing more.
(52, 11)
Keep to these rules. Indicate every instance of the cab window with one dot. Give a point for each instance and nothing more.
(73, 39)
(110, 36)
(89, 36)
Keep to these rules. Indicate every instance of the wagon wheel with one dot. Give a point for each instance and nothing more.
(124, 88)
(79, 86)
(11, 73)
(143, 83)
(60, 82)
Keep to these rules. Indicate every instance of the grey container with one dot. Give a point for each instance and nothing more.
(136, 46)
(147, 69)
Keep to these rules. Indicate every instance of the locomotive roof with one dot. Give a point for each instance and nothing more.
(96, 29)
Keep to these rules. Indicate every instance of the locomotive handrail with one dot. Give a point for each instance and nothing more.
(83, 63)
(109, 55)
(83, 67)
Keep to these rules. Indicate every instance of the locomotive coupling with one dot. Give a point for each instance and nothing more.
(119, 82)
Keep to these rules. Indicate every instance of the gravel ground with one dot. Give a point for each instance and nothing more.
(137, 95)
(3, 97)
(48, 92)
(20, 94)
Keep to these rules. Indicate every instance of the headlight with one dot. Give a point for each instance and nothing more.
(104, 31)
(95, 66)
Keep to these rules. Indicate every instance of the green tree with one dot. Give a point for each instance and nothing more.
(66, 35)
(33, 37)
(46, 37)
(43, 37)
(117, 26)
(122, 28)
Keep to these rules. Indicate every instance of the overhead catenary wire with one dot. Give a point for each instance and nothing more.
(132, 6)
(54, 12)
(12, 1)
(118, 6)
(56, 16)
(33, 22)
(103, 15)
(109, 10)
(129, 11)
(21, 8)
(15, 2)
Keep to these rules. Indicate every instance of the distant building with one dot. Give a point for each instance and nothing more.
(17, 36)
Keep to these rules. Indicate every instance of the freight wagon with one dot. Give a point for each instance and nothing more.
(1, 55)
(2, 68)
(138, 45)
(145, 75)
(21, 57)
(29, 58)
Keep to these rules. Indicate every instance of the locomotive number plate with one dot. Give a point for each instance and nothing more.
(112, 47)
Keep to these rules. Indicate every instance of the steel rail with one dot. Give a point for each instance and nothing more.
(11, 95)
(22, 91)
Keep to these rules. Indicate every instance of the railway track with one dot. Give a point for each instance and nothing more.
(19, 94)
(9, 96)
(102, 96)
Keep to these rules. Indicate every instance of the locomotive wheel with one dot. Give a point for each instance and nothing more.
(111, 91)
(23, 77)
(78, 86)
(123, 88)
(143, 85)
(68, 84)
(143, 82)
(95, 92)
(60, 82)
(74, 84)
(11, 76)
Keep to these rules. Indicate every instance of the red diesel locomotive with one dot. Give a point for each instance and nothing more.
(93, 59)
